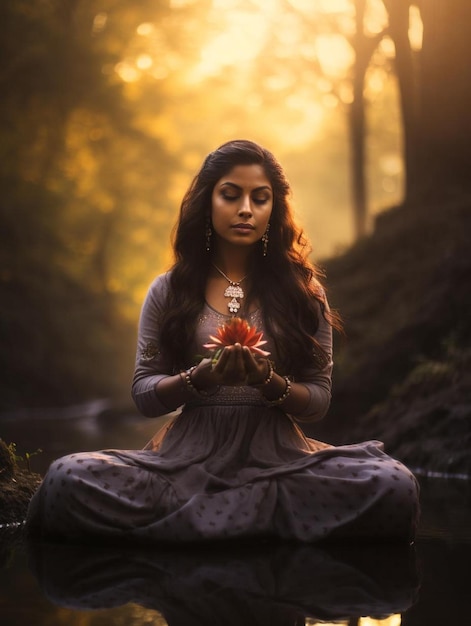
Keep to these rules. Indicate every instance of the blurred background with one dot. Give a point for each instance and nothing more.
(108, 108)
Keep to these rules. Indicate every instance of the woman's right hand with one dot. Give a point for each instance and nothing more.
(229, 369)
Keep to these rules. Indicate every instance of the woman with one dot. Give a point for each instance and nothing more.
(233, 463)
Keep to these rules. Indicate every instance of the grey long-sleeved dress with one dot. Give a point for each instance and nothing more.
(227, 466)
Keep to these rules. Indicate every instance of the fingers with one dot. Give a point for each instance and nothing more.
(237, 365)
(256, 368)
(205, 363)
(203, 375)
(251, 364)
(230, 367)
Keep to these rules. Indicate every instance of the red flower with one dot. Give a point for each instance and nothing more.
(237, 330)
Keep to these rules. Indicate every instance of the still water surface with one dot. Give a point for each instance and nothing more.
(258, 584)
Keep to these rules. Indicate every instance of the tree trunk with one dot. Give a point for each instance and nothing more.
(445, 150)
(357, 126)
(364, 47)
(398, 11)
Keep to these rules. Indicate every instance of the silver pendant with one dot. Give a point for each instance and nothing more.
(235, 292)
(233, 306)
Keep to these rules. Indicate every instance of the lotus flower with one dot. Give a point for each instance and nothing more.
(237, 330)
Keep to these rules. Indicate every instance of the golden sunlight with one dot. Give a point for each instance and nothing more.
(144, 62)
(416, 28)
(239, 42)
(376, 17)
(127, 71)
(181, 4)
(145, 29)
(335, 54)
(276, 71)
(99, 23)
(323, 6)
(392, 620)
(237, 35)
(243, 36)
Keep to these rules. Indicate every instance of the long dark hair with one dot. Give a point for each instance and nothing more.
(286, 284)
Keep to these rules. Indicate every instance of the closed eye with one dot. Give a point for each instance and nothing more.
(260, 200)
(229, 198)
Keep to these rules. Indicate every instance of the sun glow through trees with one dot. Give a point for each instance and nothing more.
(279, 72)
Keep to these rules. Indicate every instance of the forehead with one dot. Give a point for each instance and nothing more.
(246, 176)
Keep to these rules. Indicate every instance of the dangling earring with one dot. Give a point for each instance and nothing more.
(265, 240)
(209, 232)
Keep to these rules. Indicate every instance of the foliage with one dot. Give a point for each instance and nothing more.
(7, 460)
(16, 486)
(65, 210)
(17, 458)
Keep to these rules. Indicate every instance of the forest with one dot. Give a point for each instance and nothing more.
(108, 108)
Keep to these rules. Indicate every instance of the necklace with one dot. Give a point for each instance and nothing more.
(233, 291)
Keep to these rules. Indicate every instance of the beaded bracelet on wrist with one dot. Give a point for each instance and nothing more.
(269, 376)
(283, 396)
(199, 392)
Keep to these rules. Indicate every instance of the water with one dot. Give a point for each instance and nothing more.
(260, 584)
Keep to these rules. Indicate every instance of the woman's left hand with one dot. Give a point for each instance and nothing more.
(257, 369)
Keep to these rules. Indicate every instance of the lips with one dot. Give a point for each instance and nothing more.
(243, 226)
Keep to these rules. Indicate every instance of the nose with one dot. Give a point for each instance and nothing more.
(245, 207)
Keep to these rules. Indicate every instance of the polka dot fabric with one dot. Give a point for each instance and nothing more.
(225, 472)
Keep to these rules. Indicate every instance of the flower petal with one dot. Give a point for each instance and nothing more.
(211, 346)
(259, 351)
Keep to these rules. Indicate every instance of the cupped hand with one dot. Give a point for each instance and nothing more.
(230, 368)
(257, 368)
(235, 366)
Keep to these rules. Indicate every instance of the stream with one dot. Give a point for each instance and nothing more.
(255, 583)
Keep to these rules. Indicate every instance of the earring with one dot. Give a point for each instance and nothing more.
(265, 240)
(209, 232)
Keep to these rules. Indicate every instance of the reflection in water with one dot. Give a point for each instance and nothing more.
(279, 585)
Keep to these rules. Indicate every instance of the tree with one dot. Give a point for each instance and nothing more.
(364, 47)
(435, 98)
(445, 99)
(74, 162)
(398, 30)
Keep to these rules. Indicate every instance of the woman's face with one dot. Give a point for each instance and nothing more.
(242, 203)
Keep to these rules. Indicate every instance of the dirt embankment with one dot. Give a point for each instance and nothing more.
(403, 372)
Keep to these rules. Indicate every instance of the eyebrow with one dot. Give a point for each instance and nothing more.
(238, 187)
